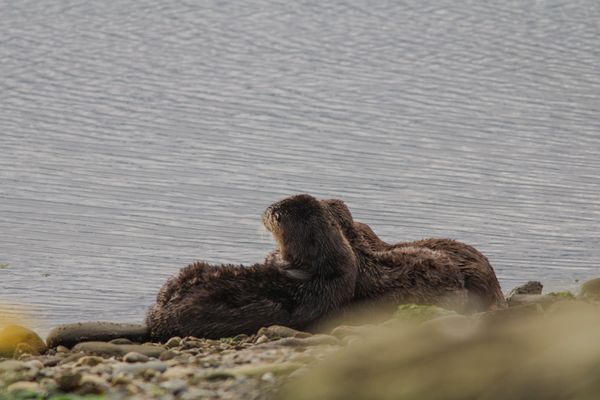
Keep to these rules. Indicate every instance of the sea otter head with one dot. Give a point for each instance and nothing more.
(359, 234)
(305, 230)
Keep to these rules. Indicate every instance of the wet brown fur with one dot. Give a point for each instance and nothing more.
(405, 275)
(312, 279)
(483, 288)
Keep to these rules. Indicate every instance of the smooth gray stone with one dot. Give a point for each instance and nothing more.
(70, 334)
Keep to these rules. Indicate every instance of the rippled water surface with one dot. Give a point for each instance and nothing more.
(137, 137)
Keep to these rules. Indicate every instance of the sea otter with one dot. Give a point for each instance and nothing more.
(313, 278)
(483, 288)
(404, 275)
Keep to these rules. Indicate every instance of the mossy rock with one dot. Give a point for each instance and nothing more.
(420, 313)
(591, 289)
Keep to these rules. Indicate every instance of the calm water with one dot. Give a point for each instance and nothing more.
(137, 137)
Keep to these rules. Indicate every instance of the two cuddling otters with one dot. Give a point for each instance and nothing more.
(325, 264)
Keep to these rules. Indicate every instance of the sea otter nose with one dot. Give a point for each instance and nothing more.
(271, 216)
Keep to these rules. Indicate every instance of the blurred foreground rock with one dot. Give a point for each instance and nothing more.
(554, 355)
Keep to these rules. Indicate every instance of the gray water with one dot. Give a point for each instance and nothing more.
(139, 136)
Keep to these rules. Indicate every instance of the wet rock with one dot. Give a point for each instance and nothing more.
(134, 357)
(14, 337)
(115, 350)
(531, 287)
(278, 332)
(70, 334)
(591, 289)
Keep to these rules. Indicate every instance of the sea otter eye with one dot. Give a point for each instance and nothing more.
(277, 216)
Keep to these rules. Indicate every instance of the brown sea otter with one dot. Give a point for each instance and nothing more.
(313, 279)
(395, 276)
(483, 288)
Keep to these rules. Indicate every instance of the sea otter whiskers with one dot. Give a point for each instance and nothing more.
(483, 288)
(313, 279)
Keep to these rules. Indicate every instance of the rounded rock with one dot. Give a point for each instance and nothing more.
(173, 342)
(134, 357)
(13, 336)
(62, 349)
(90, 361)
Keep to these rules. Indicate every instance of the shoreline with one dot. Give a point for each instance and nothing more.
(243, 367)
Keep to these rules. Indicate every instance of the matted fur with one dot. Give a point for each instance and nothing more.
(313, 279)
(405, 275)
(483, 288)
